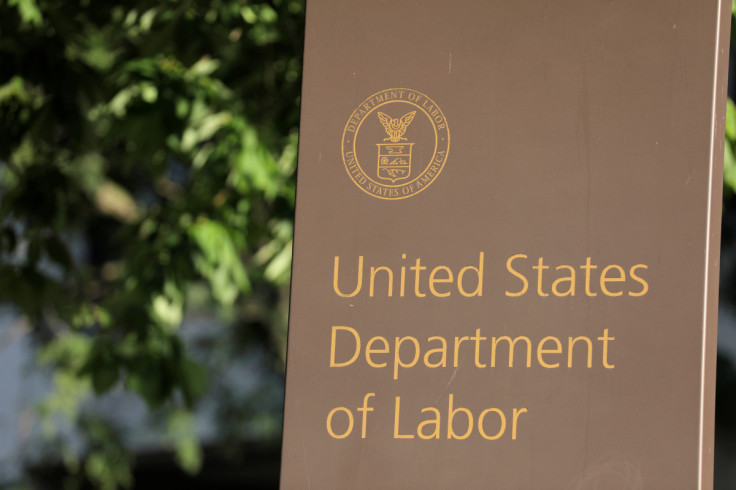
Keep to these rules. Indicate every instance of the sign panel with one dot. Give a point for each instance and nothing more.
(506, 249)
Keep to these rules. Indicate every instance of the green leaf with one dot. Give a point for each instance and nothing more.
(204, 67)
(28, 10)
(730, 119)
(14, 89)
(729, 167)
(167, 308)
(219, 262)
(256, 166)
(193, 380)
(145, 377)
(182, 434)
(278, 270)
(149, 92)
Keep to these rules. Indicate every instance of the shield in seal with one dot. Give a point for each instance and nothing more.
(394, 161)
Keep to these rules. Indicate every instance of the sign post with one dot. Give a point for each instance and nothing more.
(506, 248)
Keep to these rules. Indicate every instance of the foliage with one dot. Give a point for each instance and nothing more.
(729, 157)
(145, 147)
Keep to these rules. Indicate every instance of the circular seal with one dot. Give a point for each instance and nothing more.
(395, 143)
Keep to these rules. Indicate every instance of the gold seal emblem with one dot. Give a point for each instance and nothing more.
(395, 143)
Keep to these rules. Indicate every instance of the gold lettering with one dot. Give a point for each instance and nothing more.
(336, 274)
(571, 279)
(369, 351)
(439, 350)
(397, 354)
(644, 284)
(451, 420)
(389, 279)
(621, 277)
(433, 279)
(396, 422)
(479, 272)
(502, 428)
(512, 345)
(517, 274)
(571, 343)
(541, 351)
(605, 340)
(587, 268)
(356, 337)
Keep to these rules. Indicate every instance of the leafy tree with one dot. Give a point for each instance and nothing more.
(146, 148)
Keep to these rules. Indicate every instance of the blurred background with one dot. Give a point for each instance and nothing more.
(147, 168)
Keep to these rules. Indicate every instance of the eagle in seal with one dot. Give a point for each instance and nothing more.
(396, 127)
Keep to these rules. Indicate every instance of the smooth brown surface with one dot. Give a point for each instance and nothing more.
(579, 129)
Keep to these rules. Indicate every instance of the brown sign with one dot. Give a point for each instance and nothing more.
(506, 251)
